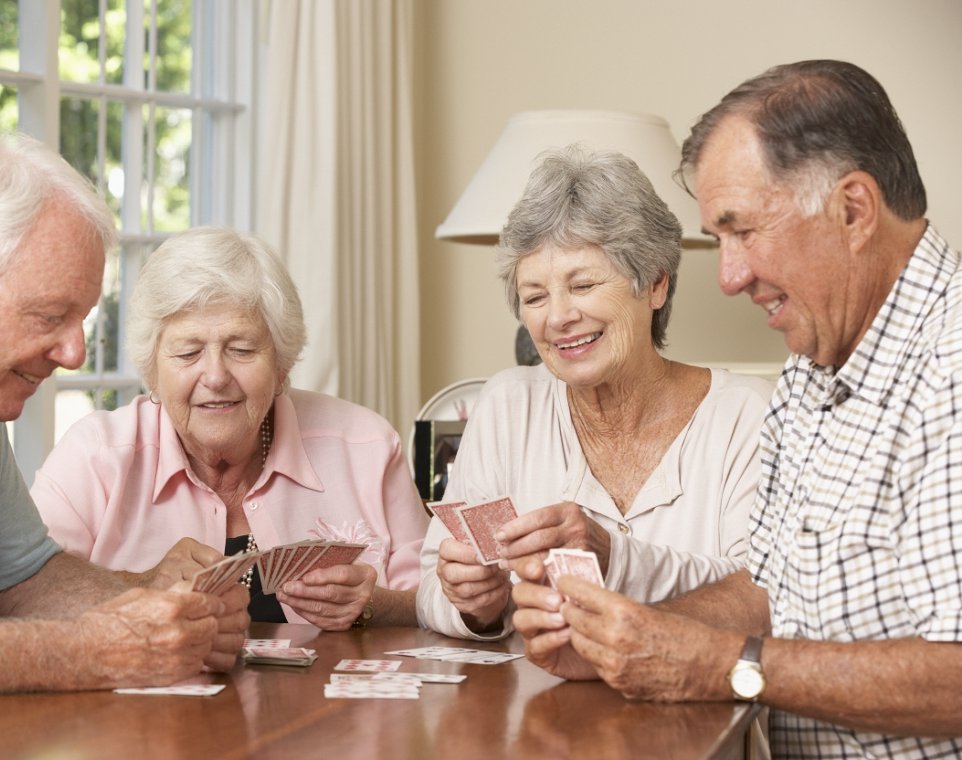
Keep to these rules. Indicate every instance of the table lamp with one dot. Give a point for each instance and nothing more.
(483, 207)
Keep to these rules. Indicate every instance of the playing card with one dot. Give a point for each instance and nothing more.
(447, 514)
(482, 521)
(479, 657)
(421, 677)
(428, 653)
(267, 643)
(457, 654)
(222, 575)
(184, 690)
(368, 665)
(583, 564)
(349, 677)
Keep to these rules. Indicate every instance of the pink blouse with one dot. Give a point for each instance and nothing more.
(119, 491)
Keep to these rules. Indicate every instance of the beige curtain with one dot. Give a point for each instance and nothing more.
(337, 193)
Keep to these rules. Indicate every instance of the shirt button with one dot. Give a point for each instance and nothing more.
(624, 528)
(254, 505)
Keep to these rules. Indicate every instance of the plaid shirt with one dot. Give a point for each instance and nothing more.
(857, 529)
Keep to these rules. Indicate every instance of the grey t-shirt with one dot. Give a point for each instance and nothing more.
(25, 545)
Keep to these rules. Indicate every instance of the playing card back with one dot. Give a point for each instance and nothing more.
(482, 521)
(447, 514)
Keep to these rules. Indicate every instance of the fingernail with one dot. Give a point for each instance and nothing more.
(502, 564)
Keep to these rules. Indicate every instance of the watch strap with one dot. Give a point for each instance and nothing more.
(752, 651)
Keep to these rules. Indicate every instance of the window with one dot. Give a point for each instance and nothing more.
(152, 100)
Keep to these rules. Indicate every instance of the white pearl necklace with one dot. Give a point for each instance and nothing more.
(266, 438)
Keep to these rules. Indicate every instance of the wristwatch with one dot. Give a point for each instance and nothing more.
(746, 678)
(366, 614)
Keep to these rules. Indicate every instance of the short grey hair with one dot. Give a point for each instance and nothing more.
(576, 198)
(214, 265)
(817, 121)
(32, 176)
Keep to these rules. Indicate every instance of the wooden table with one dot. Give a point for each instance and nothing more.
(512, 710)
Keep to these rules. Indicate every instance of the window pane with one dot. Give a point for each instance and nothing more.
(80, 40)
(9, 24)
(9, 113)
(174, 44)
(114, 178)
(116, 24)
(78, 135)
(170, 202)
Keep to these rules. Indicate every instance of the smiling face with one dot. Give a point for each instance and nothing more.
(587, 324)
(216, 377)
(50, 285)
(799, 269)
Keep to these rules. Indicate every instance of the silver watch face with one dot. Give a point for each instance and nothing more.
(747, 682)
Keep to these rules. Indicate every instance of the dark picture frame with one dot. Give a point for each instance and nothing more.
(436, 444)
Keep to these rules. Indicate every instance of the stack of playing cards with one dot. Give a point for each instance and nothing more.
(476, 524)
(372, 686)
(578, 562)
(292, 562)
(295, 656)
(276, 652)
(384, 685)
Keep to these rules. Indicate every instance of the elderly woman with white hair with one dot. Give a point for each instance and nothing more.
(222, 456)
(608, 446)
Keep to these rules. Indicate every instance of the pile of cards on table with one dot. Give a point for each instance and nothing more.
(276, 566)
(276, 652)
(476, 524)
(578, 562)
(379, 679)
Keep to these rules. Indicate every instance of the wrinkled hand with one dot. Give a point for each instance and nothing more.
(479, 592)
(180, 563)
(232, 624)
(149, 638)
(562, 525)
(331, 598)
(538, 618)
(645, 652)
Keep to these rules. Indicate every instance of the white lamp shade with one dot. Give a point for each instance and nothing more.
(483, 208)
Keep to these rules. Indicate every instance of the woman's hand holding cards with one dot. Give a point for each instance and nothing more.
(479, 592)
(331, 598)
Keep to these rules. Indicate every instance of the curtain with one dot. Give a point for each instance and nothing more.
(336, 197)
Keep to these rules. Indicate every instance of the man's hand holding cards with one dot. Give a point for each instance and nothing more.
(577, 562)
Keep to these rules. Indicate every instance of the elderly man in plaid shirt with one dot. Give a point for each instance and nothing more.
(847, 620)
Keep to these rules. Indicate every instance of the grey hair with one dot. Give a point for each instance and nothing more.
(576, 198)
(816, 121)
(33, 176)
(214, 265)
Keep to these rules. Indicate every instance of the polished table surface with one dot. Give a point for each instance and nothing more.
(512, 710)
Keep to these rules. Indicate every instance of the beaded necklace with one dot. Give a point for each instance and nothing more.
(266, 439)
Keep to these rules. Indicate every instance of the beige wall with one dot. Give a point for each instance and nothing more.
(480, 61)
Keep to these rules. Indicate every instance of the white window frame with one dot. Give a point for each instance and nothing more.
(221, 174)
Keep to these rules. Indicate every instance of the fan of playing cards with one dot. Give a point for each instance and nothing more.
(276, 566)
